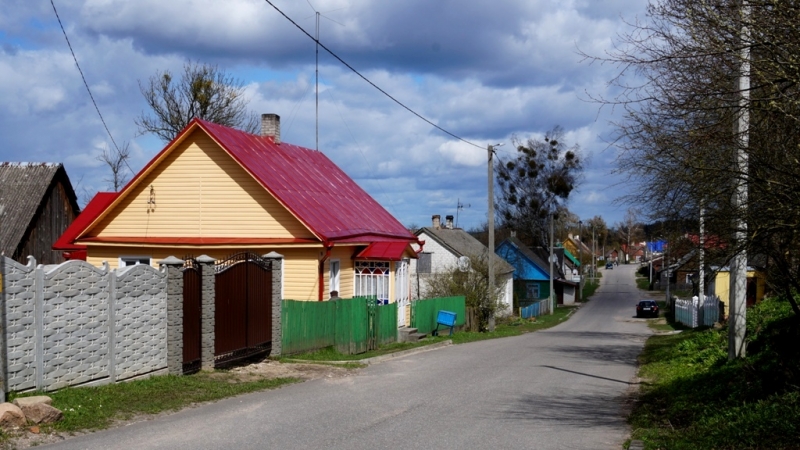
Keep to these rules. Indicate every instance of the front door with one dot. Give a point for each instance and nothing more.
(401, 291)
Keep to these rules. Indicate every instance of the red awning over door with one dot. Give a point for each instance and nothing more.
(384, 251)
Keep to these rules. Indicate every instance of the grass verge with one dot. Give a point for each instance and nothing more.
(589, 288)
(695, 398)
(643, 283)
(92, 408)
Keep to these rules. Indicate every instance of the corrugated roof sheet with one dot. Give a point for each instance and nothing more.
(309, 184)
(530, 254)
(22, 188)
(463, 244)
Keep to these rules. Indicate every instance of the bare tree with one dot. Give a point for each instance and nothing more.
(678, 136)
(117, 162)
(203, 91)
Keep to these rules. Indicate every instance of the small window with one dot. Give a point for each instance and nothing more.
(533, 290)
(424, 263)
(334, 287)
(125, 261)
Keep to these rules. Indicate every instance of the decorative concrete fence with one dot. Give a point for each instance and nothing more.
(74, 323)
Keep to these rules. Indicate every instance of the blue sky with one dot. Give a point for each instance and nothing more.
(485, 71)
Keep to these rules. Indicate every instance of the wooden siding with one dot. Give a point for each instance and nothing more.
(346, 274)
(49, 224)
(200, 191)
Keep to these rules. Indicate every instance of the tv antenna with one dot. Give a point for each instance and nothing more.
(316, 66)
(459, 207)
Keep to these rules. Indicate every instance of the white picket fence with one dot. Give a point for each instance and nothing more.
(695, 313)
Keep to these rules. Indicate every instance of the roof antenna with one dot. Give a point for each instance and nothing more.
(459, 207)
(316, 67)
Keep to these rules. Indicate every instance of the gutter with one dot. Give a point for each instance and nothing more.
(328, 247)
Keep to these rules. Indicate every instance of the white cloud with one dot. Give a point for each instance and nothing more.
(484, 74)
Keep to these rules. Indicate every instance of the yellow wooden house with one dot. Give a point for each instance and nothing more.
(215, 190)
(754, 293)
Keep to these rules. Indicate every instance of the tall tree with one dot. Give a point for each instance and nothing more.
(536, 183)
(204, 91)
(678, 134)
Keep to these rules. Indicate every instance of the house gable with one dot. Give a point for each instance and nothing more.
(198, 191)
(524, 268)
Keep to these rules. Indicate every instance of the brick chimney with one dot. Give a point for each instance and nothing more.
(448, 221)
(436, 221)
(271, 127)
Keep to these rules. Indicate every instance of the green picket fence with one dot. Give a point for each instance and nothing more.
(307, 326)
(353, 326)
(424, 312)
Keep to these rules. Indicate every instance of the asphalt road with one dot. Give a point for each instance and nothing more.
(562, 388)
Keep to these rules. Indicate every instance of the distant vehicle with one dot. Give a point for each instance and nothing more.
(647, 308)
(609, 265)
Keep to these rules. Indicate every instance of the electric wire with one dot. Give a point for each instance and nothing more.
(87, 84)
(368, 80)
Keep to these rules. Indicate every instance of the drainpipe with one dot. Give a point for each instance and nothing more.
(328, 247)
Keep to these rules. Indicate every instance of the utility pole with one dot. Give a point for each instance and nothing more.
(738, 288)
(580, 260)
(490, 289)
(552, 291)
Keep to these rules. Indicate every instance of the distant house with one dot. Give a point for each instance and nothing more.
(721, 286)
(577, 248)
(444, 245)
(531, 273)
(37, 203)
(218, 191)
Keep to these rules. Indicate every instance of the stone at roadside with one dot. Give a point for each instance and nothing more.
(11, 416)
(38, 410)
(34, 429)
(25, 401)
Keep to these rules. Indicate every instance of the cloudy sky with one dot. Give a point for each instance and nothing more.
(483, 71)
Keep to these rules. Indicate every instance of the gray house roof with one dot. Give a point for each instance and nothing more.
(461, 243)
(23, 186)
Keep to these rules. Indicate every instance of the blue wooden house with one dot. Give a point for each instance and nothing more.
(532, 275)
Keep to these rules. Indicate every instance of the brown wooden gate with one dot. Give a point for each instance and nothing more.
(192, 306)
(243, 308)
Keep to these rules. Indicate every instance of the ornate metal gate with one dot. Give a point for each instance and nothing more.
(243, 307)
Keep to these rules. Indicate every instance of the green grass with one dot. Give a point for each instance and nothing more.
(330, 354)
(91, 408)
(589, 289)
(643, 283)
(694, 398)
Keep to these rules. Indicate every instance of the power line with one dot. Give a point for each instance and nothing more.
(368, 80)
(87, 84)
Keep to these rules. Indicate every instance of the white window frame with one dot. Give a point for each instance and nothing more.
(335, 276)
(124, 260)
(369, 283)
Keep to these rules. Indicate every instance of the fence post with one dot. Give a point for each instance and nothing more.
(174, 314)
(207, 312)
(276, 263)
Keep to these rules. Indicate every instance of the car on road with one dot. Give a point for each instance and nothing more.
(609, 265)
(647, 308)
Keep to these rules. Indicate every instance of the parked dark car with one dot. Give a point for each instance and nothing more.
(647, 308)
(609, 265)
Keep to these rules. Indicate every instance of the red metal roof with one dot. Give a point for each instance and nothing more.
(386, 251)
(310, 185)
(94, 208)
(304, 181)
